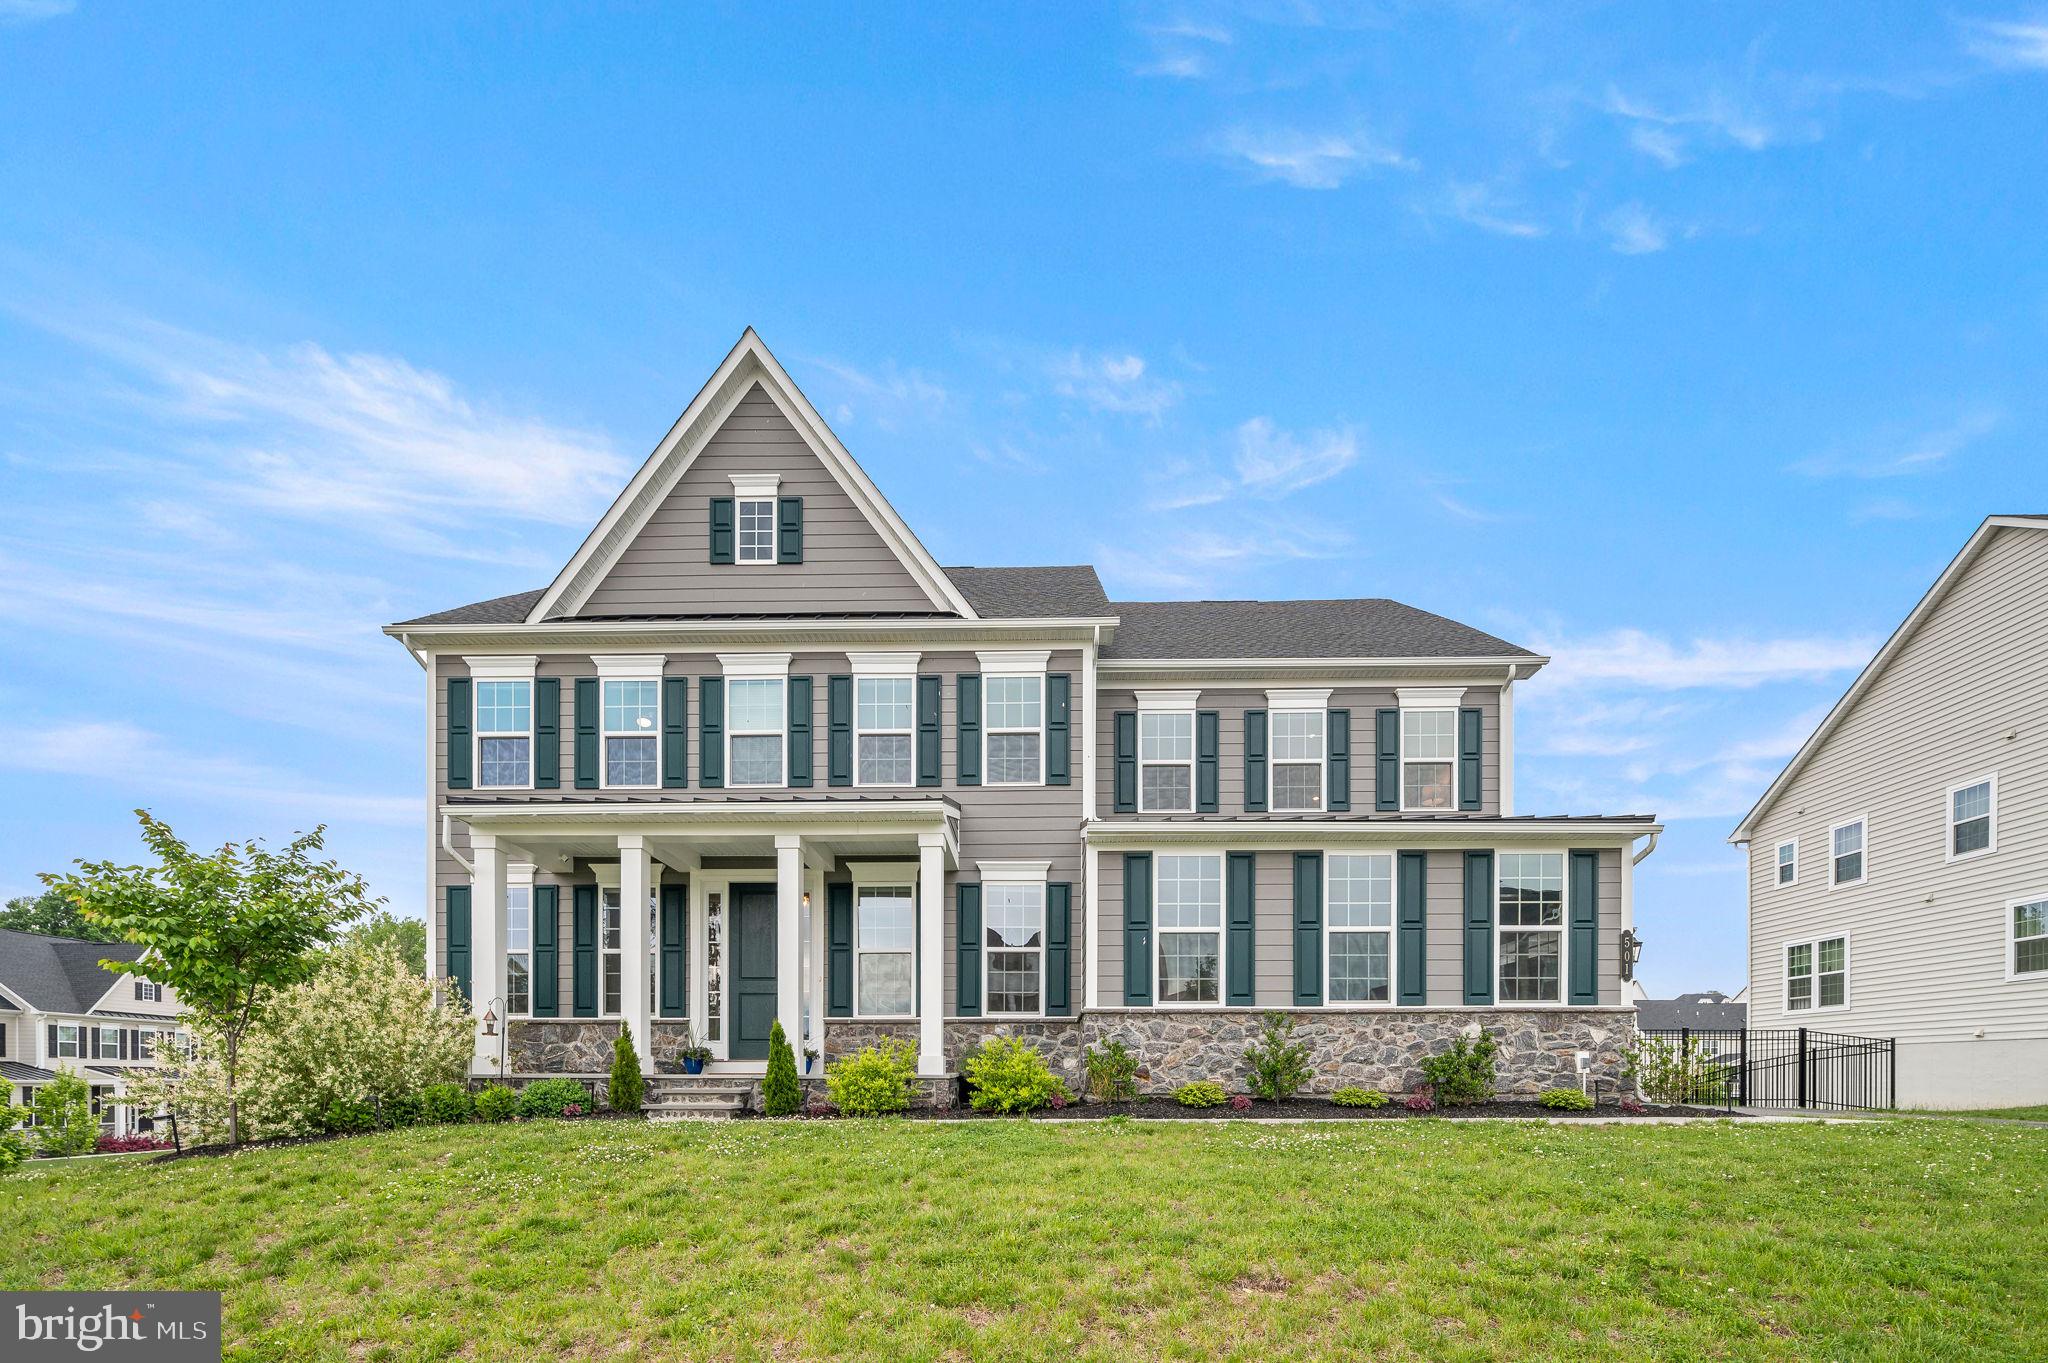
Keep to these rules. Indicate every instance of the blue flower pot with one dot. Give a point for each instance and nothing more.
(693, 1066)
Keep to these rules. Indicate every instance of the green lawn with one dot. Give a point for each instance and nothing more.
(1405, 1240)
(2020, 1114)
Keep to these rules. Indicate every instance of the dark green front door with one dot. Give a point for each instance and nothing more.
(753, 970)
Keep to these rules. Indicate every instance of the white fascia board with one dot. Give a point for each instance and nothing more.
(580, 636)
(1258, 673)
(1252, 832)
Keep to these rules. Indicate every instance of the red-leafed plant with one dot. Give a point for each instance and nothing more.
(1240, 1102)
(573, 1110)
(110, 1144)
(1632, 1107)
(1422, 1100)
(1057, 1101)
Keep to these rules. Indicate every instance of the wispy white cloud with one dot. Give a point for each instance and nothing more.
(2011, 43)
(1176, 65)
(1307, 160)
(1661, 145)
(1197, 560)
(1265, 462)
(1894, 457)
(1182, 48)
(1713, 113)
(1633, 230)
(1486, 208)
(890, 397)
(1638, 658)
(1112, 382)
(32, 11)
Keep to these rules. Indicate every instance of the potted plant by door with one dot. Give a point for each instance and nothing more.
(810, 1058)
(694, 1054)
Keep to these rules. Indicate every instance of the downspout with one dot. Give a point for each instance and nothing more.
(1648, 848)
(448, 845)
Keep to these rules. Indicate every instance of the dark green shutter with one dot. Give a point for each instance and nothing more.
(967, 731)
(1124, 789)
(1240, 901)
(967, 952)
(1411, 914)
(1478, 928)
(458, 937)
(1208, 767)
(546, 989)
(1471, 740)
(839, 950)
(547, 733)
(789, 530)
(675, 732)
(1059, 696)
(1138, 929)
(583, 929)
(1386, 766)
(802, 748)
(1255, 761)
(838, 731)
(1308, 929)
(1337, 738)
(675, 952)
(587, 742)
(711, 732)
(930, 748)
(1584, 906)
(722, 525)
(461, 725)
(1059, 957)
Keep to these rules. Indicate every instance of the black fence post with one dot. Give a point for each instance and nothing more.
(1742, 1074)
(1802, 1067)
(1891, 1072)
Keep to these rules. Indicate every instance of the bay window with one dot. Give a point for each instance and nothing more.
(1166, 761)
(1298, 754)
(632, 719)
(1360, 929)
(1429, 759)
(884, 730)
(756, 722)
(884, 943)
(1189, 897)
(1013, 924)
(1014, 717)
(1531, 927)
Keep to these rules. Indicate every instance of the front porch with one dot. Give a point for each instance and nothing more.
(735, 931)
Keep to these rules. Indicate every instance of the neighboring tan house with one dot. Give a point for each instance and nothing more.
(1898, 867)
(753, 754)
(60, 1009)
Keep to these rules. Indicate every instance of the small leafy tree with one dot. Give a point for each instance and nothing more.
(1009, 1075)
(1278, 1063)
(781, 1094)
(228, 931)
(1464, 1073)
(1112, 1073)
(51, 915)
(14, 1146)
(64, 1121)
(627, 1088)
(406, 936)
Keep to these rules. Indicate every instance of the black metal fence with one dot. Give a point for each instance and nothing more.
(1772, 1067)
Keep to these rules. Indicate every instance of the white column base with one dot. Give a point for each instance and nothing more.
(931, 955)
(635, 879)
(487, 952)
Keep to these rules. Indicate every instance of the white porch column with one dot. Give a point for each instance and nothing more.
(633, 957)
(789, 908)
(931, 953)
(487, 948)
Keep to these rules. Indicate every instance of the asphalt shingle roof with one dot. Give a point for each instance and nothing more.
(1367, 628)
(59, 974)
(20, 1073)
(1032, 593)
(499, 610)
(1710, 1011)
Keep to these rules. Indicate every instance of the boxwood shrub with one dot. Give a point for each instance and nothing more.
(552, 1097)
(1009, 1075)
(448, 1103)
(1201, 1093)
(1565, 1100)
(496, 1103)
(875, 1081)
(1352, 1096)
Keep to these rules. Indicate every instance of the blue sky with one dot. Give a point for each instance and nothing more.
(1685, 344)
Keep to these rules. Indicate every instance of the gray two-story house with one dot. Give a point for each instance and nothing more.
(754, 754)
(62, 1011)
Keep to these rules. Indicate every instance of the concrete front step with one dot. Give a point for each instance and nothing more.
(697, 1095)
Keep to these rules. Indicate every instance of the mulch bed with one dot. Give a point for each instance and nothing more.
(1164, 1106)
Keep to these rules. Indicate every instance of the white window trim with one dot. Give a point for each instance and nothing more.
(757, 487)
(989, 731)
(1298, 702)
(1834, 884)
(884, 875)
(1793, 843)
(1563, 930)
(78, 1040)
(781, 732)
(148, 991)
(1193, 721)
(1222, 928)
(1948, 820)
(1033, 873)
(627, 667)
(883, 667)
(102, 1028)
(2012, 942)
(506, 668)
(519, 875)
(1393, 929)
(1416, 707)
(618, 951)
(1785, 973)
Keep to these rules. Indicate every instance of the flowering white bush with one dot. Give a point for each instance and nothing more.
(364, 1027)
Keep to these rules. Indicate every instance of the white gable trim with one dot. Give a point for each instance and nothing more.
(749, 362)
(1867, 678)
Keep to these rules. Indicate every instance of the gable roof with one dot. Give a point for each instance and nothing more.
(1365, 628)
(1072, 592)
(1711, 1010)
(748, 363)
(1872, 670)
(59, 974)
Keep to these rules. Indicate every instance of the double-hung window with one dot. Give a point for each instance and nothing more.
(504, 733)
(632, 741)
(110, 1043)
(1013, 709)
(610, 948)
(756, 722)
(1013, 926)
(884, 949)
(1788, 862)
(145, 1044)
(70, 1041)
(1166, 761)
(1531, 927)
(756, 530)
(1429, 759)
(1298, 754)
(1972, 809)
(1817, 974)
(148, 991)
(1846, 852)
(518, 942)
(1360, 933)
(1189, 901)
(2027, 921)
(884, 730)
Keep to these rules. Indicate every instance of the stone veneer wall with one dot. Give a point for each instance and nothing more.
(666, 1040)
(559, 1046)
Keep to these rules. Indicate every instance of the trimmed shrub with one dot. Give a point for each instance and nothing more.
(110, 1144)
(344, 1116)
(875, 1081)
(1112, 1073)
(14, 1145)
(1201, 1093)
(448, 1103)
(64, 1121)
(1565, 1100)
(1009, 1075)
(627, 1089)
(1352, 1096)
(781, 1094)
(552, 1098)
(1278, 1063)
(1422, 1100)
(496, 1103)
(1464, 1073)
(404, 1109)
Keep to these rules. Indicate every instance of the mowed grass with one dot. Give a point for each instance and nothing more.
(893, 1240)
(2037, 1113)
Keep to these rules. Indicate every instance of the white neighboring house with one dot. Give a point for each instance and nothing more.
(1898, 866)
(60, 1009)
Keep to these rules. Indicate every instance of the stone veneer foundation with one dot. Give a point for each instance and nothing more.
(559, 1046)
